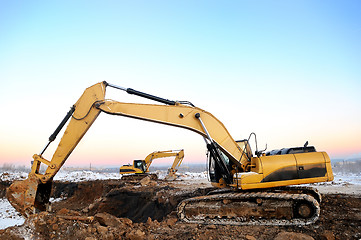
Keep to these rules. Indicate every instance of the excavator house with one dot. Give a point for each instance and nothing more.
(253, 189)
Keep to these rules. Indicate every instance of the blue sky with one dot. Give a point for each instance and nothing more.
(287, 70)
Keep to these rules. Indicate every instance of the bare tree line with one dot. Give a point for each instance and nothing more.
(347, 167)
(13, 167)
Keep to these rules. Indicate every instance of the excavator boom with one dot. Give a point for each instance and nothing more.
(163, 154)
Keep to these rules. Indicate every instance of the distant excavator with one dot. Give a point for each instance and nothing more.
(256, 189)
(140, 168)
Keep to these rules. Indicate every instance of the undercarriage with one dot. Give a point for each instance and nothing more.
(279, 206)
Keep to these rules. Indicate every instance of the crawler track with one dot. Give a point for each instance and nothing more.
(251, 208)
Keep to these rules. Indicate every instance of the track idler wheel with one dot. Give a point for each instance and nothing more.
(304, 210)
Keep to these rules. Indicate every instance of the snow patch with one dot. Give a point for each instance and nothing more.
(12, 175)
(79, 176)
(8, 215)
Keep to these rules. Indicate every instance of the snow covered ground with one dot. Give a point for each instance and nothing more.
(8, 215)
(347, 178)
(349, 183)
(79, 176)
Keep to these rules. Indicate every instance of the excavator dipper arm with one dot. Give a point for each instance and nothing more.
(176, 164)
(34, 192)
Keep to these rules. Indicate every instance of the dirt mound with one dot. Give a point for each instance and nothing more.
(116, 209)
(153, 199)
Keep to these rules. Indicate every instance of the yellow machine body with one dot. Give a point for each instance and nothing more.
(135, 168)
(285, 170)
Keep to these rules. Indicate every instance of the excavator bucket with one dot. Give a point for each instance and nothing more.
(171, 176)
(29, 195)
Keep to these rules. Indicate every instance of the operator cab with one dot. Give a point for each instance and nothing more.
(219, 164)
(140, 164)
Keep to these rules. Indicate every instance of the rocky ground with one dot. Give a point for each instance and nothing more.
(117, 209)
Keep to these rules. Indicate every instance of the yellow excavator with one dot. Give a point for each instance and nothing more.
(254, 189)
(140, 168)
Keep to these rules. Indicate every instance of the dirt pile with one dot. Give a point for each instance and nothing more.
(116, 209)
(137, 201)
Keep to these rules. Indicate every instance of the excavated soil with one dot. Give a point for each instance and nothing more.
(116, 209)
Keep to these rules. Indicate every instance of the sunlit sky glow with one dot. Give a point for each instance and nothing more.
(286, 70)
